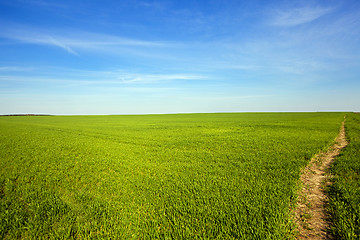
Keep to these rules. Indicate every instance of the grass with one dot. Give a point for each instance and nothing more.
(185, 176)
(344, 203)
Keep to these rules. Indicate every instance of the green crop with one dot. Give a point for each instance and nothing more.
(182, 176)
(344, 193)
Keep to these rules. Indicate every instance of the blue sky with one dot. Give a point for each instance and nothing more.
(139, 56)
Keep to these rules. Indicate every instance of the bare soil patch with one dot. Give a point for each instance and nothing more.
(311, 216)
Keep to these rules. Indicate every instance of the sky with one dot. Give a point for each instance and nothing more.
(161, 56)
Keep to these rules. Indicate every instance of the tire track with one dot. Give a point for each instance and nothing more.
(310, 215)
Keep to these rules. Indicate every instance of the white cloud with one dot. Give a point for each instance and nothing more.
(153, 78)
(61, 45)
(74, 41)
(15, 69)
(42, 3)
(96, 78)
(297, 16)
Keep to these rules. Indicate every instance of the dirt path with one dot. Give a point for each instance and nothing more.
(311, 216)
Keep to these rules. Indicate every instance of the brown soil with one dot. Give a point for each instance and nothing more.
(311, 216)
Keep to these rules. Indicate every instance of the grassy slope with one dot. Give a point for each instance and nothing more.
(344, 194)
(225, 176)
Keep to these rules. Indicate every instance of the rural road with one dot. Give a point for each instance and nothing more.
(311, 216)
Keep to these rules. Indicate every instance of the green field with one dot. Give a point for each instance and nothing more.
(181, 176)
(344, 205)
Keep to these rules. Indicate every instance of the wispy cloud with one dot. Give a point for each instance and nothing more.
(53, 41)
(154, 78)
(233, 97)
(42, 3)
(36, 37)
(295, 16)
(14, 69)
(74, 41)
(153, 5)
(95, 78)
